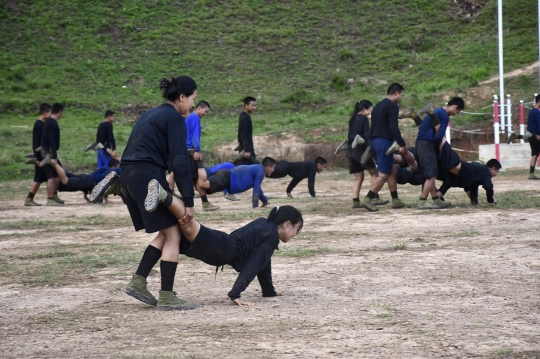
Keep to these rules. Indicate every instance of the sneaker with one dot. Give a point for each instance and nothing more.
(379, 201)
(99, 146)
(52, 202)
(513, 136)
(427, 109)
(368, 204)
(90, 147)
(30, 155)
(410, 113)
(114, 188)
(46, 160)
(231, 197)
(57, 199)
(99, 189)
(393, 148)
(366, 156)
(424, 204)
(241, 155)
(342, 147)
(533, 177)
(357, 141)
(289, 195)
(441, 204)
(398, 203)
(137, 289)
(356, 204)
(156, 195)
(207, 207)
(169, 301)
(527, 135)
(31, 203)
(32, 161)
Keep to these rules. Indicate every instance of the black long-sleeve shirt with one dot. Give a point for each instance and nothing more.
(105, 135)
(384, 122)
(298, 171)
(245, 133)
(50, 139)
(471, 175)
(37, 133)
(159, 137)
(255, 245)
(359, 126)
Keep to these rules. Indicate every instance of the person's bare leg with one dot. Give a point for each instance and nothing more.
(399, 160)
(51, 187)
(203, 184)
(35, 187)
(429, 188)
(373, 176)
(61, 173)
(168, 241)
(392, 180)
(171, 181)
(411, 161)
(178, 209)
(379, 182)
(358, 180)
(533, 161)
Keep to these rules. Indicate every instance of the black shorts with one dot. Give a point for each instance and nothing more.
(50, 172)
(134, 184)
(219, 181)
(427, 158)
(210, 246)
(40, 175)
(448, 158)
(195, 165)
(354, 161)
(535, 146)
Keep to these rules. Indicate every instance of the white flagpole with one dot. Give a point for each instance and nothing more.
(501, 65)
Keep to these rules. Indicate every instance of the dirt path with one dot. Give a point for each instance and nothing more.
(456, 283)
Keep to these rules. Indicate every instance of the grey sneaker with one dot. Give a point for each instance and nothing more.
(533, 177)
(379, 201)
(231, 197)
(427, 109)
(366, 156)
(424, 204)
(98, 146)
(156, 195)
(90, 147)
(527, 135)
(356, 204)
(441, 204)
(46, 160)
(513, 136)
(241, 155)
(169, 301)
(398, 203)
(409, 113)
(114, 188)
(207, 207)
(31, 203)
(31, 161)
(358, 140)
(368, 204)
(342, 147)
(99, 190)
(57, 199)
(30, 155)
(137, 289)
(53, 203)
(394, 147)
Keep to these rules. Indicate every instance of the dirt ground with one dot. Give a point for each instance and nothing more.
(456, 283)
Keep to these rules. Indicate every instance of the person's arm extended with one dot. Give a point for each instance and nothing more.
(490, 192)
(257, 188)
(265, 280)
(257, 261)
(393, 113)
(441, 129)
(179, 160)
(196, 131)
(54, 138)
(245, 136)
(365, 132)
(311, 180)
(110, 137)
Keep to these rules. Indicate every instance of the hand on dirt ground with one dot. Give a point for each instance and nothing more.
(403, 150)
(197, 156)
(289, 195)
(187, 217)
(247, 154)
(495, 200)
(86, 198)
(242, 303)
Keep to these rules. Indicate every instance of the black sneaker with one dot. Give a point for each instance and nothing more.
(99, 190)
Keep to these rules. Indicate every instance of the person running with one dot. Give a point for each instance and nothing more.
(240, 179)
(105, 144)
(39, 174)
(299, 171)
(385, 130)
(248, 249)
(246, 152)
(158, 142)
(470, 176)
(431, 132)
(50, 144)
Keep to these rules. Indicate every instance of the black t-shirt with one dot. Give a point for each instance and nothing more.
(281, 169)
(471, 175)
(384, 122)
(105, 135)
(245, 133)
(50, 139)
(159, 138)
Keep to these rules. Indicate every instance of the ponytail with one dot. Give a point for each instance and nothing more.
(172, 88)
(281, 214)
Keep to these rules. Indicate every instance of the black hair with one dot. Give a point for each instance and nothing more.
(172, 88)
(394, 88)
(57, 108)
(537, 99)
(458, 101)
(359, 106)
(113, 162)
(203, 104)
(44, 108)
(493, 163)
(320, 160)
(268, 161)
(248, 99)
(108, 113)
(281, 214)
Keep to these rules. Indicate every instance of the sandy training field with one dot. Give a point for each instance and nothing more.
(456, 283)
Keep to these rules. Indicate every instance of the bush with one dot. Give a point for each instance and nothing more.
(338, 83)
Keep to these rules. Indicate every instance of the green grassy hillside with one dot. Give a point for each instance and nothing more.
(295, 57)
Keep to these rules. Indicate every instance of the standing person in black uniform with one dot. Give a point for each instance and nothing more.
(245, 133)
(39, 174)
(105, 145)
(156, 144)
(248, 249)
(50, 144)
(299, 171)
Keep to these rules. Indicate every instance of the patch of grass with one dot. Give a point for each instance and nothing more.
(383, 310)
(302, 252)
(397, 246)
(518, 199)
(471, 232)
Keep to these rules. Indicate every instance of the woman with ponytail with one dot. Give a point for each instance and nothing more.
(156, 144)
(248, 249)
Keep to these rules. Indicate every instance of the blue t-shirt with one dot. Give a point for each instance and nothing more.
(219, 167)
(193, 131)
(101, 172)
(427, 132)
(533, 122)
(246, 177)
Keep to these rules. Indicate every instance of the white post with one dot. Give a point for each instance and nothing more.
(501, 64)
(521, 119)
(508, 115)
(447, 134)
